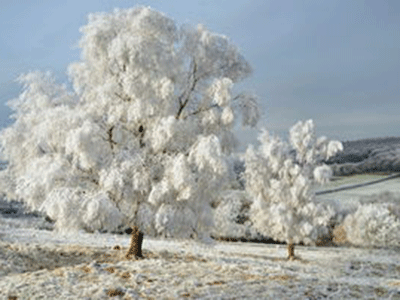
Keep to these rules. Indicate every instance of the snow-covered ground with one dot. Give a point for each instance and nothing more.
(38, 263)
(363, 194)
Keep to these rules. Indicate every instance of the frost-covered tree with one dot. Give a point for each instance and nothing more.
(143, 136)
(279, 176)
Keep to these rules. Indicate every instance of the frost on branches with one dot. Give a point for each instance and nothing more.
(279, 176)
(142, 139)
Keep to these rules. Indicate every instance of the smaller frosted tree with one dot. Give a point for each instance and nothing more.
(279, 176)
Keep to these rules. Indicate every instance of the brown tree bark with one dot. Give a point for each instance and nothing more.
(135, 248)
(290, 249)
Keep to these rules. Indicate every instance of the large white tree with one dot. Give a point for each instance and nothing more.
(143, 137)
(280, 176)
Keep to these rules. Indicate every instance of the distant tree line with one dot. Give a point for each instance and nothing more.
(367, 156)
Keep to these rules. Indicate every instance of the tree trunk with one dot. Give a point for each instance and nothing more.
(290, 249)
(135, 248)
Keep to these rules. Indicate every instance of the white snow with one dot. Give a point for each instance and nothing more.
(39, 263)
(362, 194)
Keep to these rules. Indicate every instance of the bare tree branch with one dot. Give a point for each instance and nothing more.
(200, 110)
(127, 99)
(203, 109)
(110, 138)
(185, 96)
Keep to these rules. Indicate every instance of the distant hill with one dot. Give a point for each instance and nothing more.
(367, 156)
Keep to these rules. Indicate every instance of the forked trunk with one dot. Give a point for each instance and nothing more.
(290, 249)
(135, 248)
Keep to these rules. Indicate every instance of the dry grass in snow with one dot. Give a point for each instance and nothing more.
(79, 268)
(38, 263)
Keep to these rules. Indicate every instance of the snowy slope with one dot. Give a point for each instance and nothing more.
(363, 194)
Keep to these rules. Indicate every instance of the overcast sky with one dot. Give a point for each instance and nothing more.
(337, 62)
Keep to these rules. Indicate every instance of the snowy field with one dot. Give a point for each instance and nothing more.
(38, 263)
(359, 194)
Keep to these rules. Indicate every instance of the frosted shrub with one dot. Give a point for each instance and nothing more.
(376, 222)
(76, 208)
(149, 122)
(279, 176)
(373, 225)
(176, 220)
(232, 216)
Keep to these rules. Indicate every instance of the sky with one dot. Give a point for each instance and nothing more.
(336, 62)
